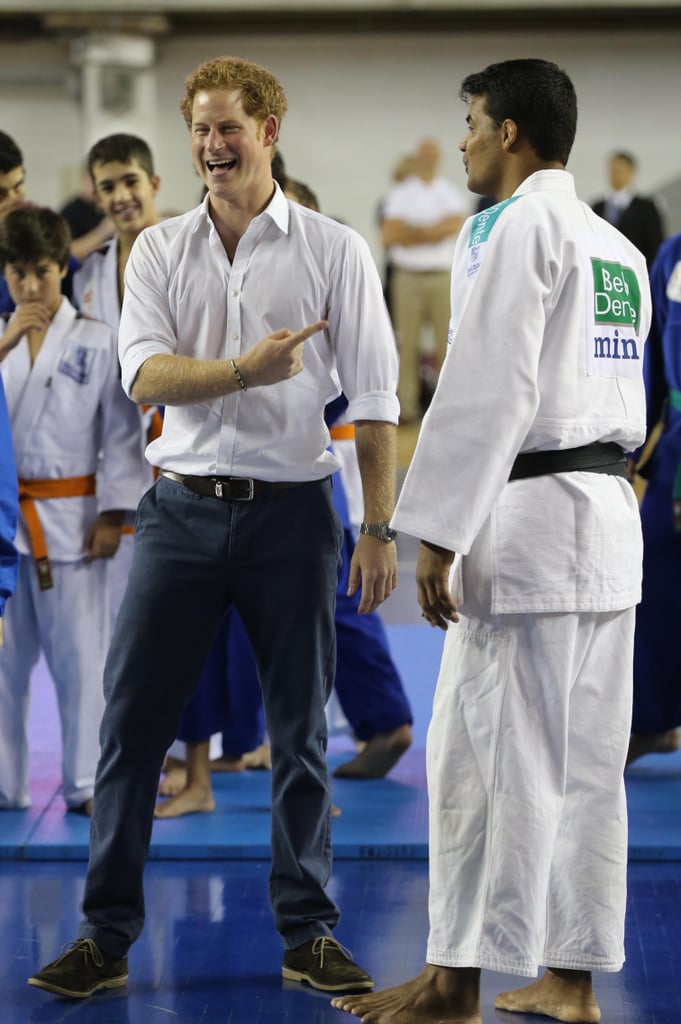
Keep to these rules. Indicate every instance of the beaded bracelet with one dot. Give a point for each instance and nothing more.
(240, 380)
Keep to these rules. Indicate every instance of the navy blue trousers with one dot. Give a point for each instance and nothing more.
(367, 682)
(275, 560)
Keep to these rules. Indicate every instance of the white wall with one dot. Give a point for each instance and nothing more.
(357, 103)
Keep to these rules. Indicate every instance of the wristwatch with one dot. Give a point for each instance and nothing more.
(382, 531)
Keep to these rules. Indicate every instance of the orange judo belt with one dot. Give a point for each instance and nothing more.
(31, 491)
(343, 432)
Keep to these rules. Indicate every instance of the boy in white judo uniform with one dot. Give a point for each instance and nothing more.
(76, 450)
(519, 468)
(125, 183)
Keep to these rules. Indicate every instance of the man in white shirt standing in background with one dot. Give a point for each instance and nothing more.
(422, 217)
(241, 514)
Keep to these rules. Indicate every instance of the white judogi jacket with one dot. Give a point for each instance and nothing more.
(550, 311)
(95, 291)
(71, 418)
(95, 286)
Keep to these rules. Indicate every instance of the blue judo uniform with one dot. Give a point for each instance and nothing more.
(657, 653)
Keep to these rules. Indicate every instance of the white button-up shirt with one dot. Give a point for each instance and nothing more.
(291, 267)
(422, 204)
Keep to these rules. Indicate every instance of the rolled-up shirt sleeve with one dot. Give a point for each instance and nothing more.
(147, 327)
(360, 327)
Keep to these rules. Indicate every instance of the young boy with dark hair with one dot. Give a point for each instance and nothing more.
(13, 195)
(79, 471)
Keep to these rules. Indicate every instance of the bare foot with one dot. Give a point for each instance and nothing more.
(174, 780)
(653, 743)
(227, 764)
(172, 762)
(440, 995)
(192, 800)
(562, 995)
(377, 756)
(260, 758)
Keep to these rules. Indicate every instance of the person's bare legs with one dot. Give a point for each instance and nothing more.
(653, 743)
(436, 996)
(562, 995)
(378, 755)
(197, 795)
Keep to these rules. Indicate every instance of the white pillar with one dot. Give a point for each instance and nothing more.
(118, 86)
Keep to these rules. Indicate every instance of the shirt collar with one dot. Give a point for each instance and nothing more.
(277, 210)
(622, 197)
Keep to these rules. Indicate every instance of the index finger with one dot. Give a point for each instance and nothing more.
(306, 332)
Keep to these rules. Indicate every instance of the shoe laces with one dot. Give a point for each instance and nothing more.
(86, 946)
(320, 945)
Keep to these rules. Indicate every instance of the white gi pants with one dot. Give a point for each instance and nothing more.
(528, 825)
(71, 624)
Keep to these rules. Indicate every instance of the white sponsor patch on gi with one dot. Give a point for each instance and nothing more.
(614, 347)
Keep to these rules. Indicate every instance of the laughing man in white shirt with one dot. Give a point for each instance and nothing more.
(242, 513)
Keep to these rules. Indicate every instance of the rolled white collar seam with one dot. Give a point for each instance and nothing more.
(277, 210)
(540, 181)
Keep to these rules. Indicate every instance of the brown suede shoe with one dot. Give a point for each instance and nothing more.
(81, 970)
(324, 964)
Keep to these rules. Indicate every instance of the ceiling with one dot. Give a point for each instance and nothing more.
(28, 19)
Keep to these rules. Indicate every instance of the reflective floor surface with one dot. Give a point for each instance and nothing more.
(210, 954)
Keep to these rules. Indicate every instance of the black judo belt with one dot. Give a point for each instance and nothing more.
(590, 458)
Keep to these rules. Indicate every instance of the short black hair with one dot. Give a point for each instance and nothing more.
(279, 170)
(121, 149)
(629, 158)
(537, 95)
(301, 193)
(11, 156)
(33, 233)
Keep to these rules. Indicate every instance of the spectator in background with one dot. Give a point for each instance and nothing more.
(403, 169)
(636, 216)
(422, 217)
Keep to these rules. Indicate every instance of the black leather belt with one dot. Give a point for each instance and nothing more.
(590, 458)
(231, 488)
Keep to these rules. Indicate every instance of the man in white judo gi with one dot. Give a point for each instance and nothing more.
(517, 468)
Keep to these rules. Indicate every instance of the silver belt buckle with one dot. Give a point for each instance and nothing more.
(240, 481)
(251, 489)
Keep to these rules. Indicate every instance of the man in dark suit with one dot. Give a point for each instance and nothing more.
(637, 217)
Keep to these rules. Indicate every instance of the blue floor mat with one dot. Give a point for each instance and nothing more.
(381, 819)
